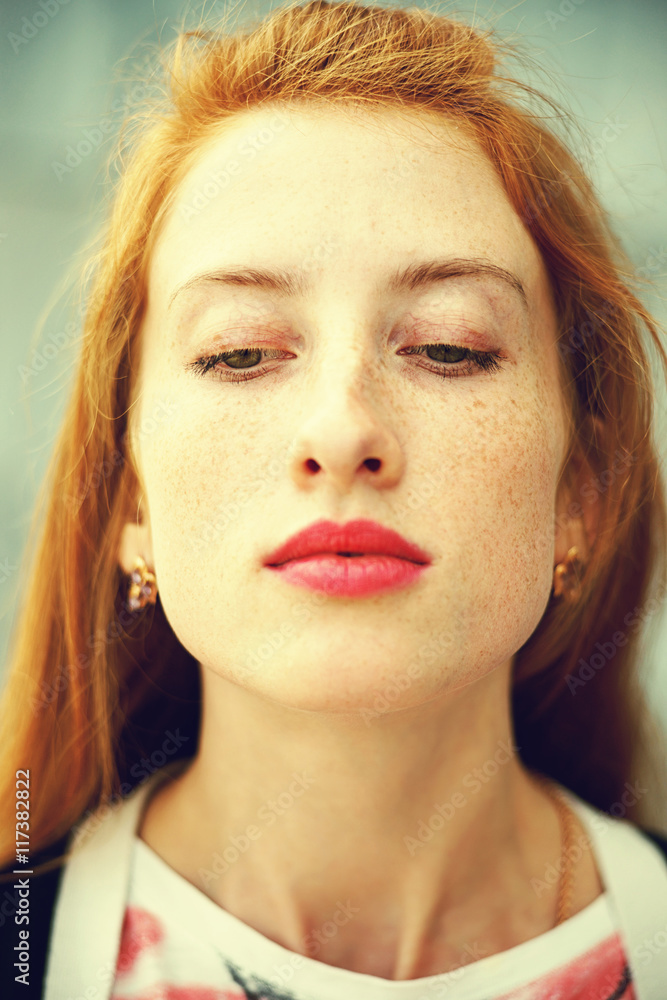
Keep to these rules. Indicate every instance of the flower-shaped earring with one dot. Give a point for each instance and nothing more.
(143, 588)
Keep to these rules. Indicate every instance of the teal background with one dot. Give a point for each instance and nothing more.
(607, 61)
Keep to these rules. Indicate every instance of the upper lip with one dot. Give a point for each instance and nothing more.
(361, 535)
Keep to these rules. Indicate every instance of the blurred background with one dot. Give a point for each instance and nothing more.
(605, 60)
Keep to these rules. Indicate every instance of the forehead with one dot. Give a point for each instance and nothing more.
(277, 159)
(350, 191)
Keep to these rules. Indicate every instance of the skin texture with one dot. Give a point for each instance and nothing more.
(467, 468)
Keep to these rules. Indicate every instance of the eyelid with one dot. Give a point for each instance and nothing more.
(459, 331)
(259, 333)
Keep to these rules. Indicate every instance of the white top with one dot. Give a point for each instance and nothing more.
(176, 940)
(159, 936)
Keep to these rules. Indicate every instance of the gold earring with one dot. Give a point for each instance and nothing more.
(567, 580)
(143, 587)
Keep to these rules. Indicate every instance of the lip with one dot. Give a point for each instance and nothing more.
(384, 561)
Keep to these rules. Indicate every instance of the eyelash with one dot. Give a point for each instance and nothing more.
(487, 361)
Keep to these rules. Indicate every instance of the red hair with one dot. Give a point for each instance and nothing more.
(89, 687)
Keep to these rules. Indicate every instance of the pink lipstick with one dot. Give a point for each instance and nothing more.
(348, 560)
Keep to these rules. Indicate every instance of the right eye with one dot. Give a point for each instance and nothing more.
(241, 359)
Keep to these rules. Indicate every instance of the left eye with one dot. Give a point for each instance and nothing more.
(241, 357)
(489, 361)
(446, 357)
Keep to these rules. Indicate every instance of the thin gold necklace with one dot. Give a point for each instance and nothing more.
(566, 821)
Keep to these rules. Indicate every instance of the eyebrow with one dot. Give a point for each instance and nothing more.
(409, 278)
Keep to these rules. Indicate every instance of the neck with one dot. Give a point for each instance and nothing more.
(354, 823)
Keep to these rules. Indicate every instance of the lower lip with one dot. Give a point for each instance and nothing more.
(350, 576)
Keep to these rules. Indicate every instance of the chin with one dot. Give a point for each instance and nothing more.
(330, 684)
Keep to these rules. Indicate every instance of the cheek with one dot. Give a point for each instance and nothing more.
(209, 481)
(206, 475)
(505, 470)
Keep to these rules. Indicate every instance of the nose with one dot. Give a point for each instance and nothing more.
(344, 439)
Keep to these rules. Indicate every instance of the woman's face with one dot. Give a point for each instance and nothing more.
(466, 467)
